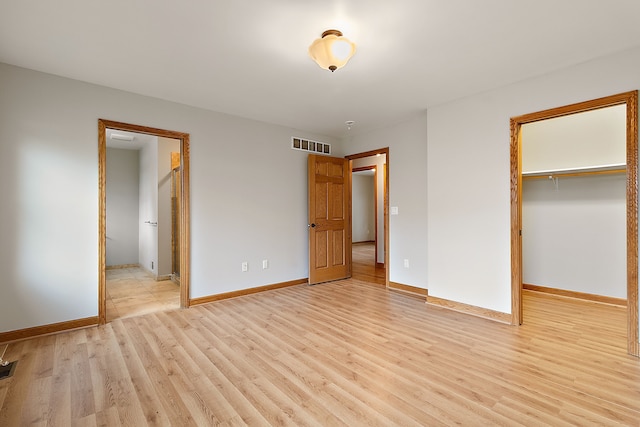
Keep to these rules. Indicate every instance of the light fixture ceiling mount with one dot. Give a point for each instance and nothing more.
(332, 50)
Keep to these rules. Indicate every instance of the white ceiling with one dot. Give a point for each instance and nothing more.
(249, 58)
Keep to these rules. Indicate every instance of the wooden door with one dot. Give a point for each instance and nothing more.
(329, 218)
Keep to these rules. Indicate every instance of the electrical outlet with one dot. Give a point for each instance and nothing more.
(265, 264)
(152, 265)
(245, 266)
(406, 263)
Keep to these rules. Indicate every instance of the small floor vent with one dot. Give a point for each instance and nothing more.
(7, 371)
(310, 146)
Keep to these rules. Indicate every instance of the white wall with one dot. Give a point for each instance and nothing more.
(468, 175)
(407, 142)
(574, 237)
(165, 147)
(148, 207)
(122, 206)
(248, 195)
(155, 205)
(588, 139)
(453, 193)
(363, 207)
(574, 228)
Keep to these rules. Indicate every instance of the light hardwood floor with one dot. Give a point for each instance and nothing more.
(132, 292)
(342, 353)
(364, 263)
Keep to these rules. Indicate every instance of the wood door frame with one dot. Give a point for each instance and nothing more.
(103, 125)
(175, 243)
(375, 203)
(630, 99)
(372, 153)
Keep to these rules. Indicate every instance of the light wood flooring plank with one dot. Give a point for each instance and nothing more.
(347, 353)
(364, 266)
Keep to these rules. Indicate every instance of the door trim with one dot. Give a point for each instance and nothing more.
(630, 99)
(185, 253)
(371, 153)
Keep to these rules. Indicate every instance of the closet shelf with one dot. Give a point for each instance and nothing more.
(587, 170)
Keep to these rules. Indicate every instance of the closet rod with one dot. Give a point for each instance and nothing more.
(570, 174)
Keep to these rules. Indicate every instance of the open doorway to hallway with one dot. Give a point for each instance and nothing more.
(144, 220)
(141, 275)
(369, 216)
(363, 263)
(131, 291)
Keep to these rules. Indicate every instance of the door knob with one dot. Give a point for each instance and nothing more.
(312, 226)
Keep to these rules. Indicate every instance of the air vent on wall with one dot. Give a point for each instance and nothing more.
(310, 146)
(7, 370)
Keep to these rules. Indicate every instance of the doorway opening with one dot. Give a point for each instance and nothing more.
(370, 247)
(176, 221)
(630, 100)
(175, 202)
(364, 214)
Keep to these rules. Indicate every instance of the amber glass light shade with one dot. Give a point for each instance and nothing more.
(332, 51)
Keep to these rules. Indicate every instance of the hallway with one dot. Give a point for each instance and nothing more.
(132, 292)
(364, 263)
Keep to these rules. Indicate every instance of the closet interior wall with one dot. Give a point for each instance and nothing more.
(574, 203)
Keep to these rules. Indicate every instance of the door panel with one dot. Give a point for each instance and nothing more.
(329, 218)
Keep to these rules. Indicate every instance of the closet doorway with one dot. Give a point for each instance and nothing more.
(172, 263)
(596, 167)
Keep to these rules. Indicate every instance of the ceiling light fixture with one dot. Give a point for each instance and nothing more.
(349, 123)
(332, 51)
